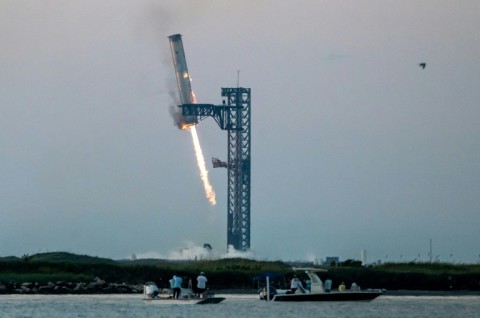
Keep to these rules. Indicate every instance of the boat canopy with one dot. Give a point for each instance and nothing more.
(271, 276)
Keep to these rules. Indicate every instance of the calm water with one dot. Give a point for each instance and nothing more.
(235, 306)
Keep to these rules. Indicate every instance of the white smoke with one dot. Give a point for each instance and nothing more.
(196, 252)
(233, 253)
(311, 257)
(192, 252)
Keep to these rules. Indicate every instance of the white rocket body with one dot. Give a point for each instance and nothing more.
(181, 72)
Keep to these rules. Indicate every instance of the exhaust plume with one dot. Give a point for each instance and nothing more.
(209, 193)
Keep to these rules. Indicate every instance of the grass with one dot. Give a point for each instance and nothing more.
(430, 268)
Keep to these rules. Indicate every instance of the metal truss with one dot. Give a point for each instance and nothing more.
(233, 116)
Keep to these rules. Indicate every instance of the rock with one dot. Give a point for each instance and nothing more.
(92, 287)
(45, 289)
(60, 283)
(108, 289)
(25, 289)
(3, 289)
(97, 285)
(99, 281)
(65, 290)
(122, 290)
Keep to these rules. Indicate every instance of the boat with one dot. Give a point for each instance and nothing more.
(189, 301)
(318, 292)
(187, 297)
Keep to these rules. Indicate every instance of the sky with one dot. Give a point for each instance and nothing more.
(354, 146)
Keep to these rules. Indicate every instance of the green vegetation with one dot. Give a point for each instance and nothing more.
(224, 273)
(411, 276)
(64, 257)
(236, 273)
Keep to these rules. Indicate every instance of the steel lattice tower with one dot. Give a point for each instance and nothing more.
(233, 116)
(238, 218)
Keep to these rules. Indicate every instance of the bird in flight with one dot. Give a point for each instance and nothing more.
(422, 65)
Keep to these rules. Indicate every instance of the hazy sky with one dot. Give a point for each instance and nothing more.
(354, 146)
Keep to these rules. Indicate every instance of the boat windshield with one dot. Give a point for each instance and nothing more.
(314, 278)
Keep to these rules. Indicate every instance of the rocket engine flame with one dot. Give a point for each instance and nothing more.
(209, 192)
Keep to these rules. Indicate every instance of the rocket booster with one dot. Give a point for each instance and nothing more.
(181, 72)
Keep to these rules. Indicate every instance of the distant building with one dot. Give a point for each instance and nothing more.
(332, 260)
(363, 257)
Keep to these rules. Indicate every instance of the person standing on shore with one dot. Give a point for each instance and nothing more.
(177, 285)
(201, 283)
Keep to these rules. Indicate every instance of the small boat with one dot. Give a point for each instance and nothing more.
(187, 297)
(317, 291)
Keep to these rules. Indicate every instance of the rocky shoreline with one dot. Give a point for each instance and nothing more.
(99, 286)
(96, 286)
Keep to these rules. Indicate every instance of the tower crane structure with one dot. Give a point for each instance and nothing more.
(234, 117)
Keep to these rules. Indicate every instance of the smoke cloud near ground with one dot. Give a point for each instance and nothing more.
(196, 252)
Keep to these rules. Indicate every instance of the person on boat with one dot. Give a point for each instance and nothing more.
(328, 285)
(151, 290)
(341, 287)
(201, 284)
(295, 284)
(148, 289)
(177, 285)
(171, 285)
(154, 290)
(354, 287)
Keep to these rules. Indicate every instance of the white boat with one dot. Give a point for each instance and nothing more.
(317, 291)
(187, 297)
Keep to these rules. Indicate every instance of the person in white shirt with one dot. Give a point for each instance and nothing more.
(201, 283)
(295, 284)
(151, 290)
(177, 286)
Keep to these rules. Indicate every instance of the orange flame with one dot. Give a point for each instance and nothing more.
(209, 192)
